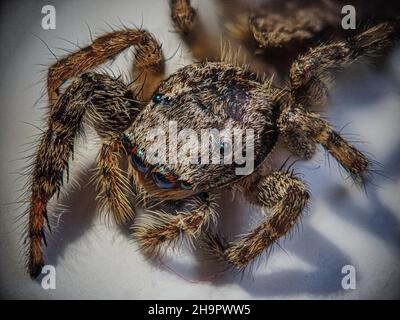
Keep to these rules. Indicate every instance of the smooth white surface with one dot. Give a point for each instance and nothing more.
(94, 260)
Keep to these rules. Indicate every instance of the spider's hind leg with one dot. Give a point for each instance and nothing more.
(311, 71)
(309, 75)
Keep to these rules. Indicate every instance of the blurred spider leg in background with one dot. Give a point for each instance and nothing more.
(193, 31)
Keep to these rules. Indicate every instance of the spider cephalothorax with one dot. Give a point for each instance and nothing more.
(199, 97)
(221, 96)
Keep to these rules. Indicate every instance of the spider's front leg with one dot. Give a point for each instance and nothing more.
(111, 183)
(149, 61)
(154, 230)
(104, 103)
(286, 197)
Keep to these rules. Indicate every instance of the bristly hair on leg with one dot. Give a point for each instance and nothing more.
(286, 197)
(89, 99)
(311, 125)
(112, 184)
(157, 228)
(50, 164)
(214, 246)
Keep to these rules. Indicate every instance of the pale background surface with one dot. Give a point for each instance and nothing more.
(97, 261)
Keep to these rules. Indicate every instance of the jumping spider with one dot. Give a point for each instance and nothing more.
(201, 95)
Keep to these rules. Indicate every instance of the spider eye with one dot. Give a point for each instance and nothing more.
(185, 185)
(126, 141)
(164, 181)
(222, 148)
(138, 162)
(157, 98)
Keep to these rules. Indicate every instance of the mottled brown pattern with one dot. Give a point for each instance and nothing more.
(111, 182)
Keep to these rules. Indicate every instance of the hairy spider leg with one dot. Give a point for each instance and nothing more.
(192, 31)
(308, 77)
(160, 228)
(286, 197)
(107, 105)
(309, 69)
(148, 59)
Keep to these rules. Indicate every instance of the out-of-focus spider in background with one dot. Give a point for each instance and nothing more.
(220, 92)
(270, 34)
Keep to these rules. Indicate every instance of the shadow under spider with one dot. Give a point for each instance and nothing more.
(308, 244)
(378, 219)
(77, 217)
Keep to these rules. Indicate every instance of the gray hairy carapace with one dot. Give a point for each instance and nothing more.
(199, 96)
